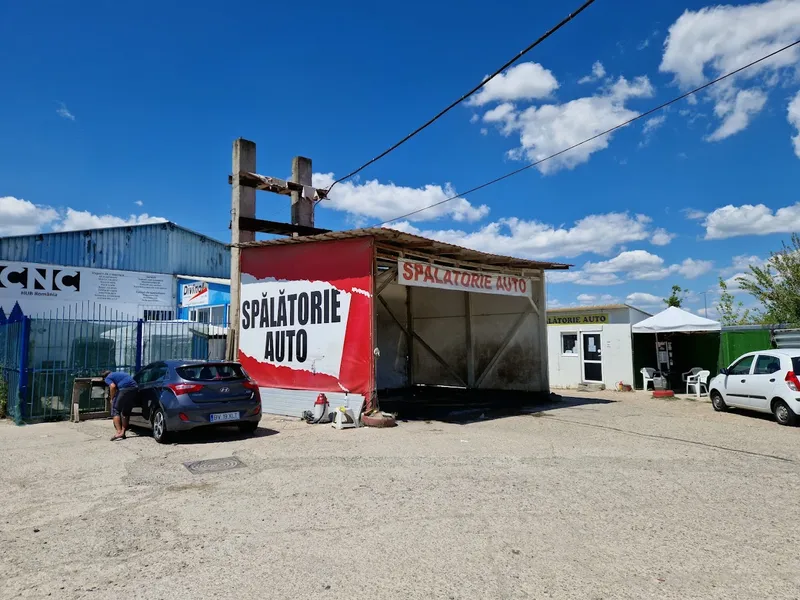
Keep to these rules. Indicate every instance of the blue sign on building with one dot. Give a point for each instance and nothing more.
(204, 300)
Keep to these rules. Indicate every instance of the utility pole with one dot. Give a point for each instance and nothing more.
(244, 183)
(302, 202)
(243, 204)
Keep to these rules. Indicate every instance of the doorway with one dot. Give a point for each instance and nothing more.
(592, 357)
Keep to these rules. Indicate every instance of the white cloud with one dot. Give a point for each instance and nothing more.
(709, 42)
(500, 113)
(632, 261)
(21, 217)
(525, 81)
(383, 201)
(598, 72)
(643, 266)
(661, 237)
(653, 124)
(692, 269)
(794, 120)
(742, 263)
(139, 203)
(550, 128)
(81, 219)
(581, 278)
(474, 118)
(731, 221)
(643, 300)
(63, 111)
(736, 112)
(598, 234)
(693, 214)
(589, 299)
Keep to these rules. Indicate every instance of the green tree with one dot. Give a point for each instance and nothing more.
(776, 285)
(730, 311)
(676, 298)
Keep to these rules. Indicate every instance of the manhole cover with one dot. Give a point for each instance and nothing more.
(214, 465)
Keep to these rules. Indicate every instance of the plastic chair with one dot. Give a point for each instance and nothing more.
(691, 373)
(698, 382)
(648, 375)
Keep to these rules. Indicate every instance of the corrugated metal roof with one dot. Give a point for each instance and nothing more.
(402, 241)
(152, 248)
(596, 307)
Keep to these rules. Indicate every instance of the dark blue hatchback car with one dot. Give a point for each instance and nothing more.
(178, 395)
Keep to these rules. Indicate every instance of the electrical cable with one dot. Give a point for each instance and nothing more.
(441, 113)
(594, 137)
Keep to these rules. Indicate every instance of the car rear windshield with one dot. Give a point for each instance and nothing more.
(796, 364)
(215, 372)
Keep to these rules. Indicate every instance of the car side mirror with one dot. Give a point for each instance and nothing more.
(723, 371)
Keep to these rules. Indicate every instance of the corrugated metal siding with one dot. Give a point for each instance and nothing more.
(787, 338)
(155, 248)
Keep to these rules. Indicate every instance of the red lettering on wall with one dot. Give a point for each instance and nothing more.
(428, 275)
(408, 271)
(448, 277)
(417, 271)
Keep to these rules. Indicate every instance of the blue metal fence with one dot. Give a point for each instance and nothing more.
(41, 357)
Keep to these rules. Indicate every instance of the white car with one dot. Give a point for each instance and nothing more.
(765, 381)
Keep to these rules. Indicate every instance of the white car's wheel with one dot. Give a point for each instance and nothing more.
(783, 414)
(718, 402)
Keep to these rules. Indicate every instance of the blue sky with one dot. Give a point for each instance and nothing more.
(116, 113)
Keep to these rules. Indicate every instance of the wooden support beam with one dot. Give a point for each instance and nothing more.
(509, 336)
(470, 341)
(384, 279)
(410, 334)
(423, 343)
(272, 184)
(262, 226)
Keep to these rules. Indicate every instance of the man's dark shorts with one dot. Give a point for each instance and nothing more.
(124, 401)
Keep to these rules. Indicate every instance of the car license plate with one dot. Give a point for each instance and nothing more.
(228, 416)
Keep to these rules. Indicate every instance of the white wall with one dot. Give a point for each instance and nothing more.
(566, 371)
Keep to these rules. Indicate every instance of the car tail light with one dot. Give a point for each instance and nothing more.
(183, 417)
(250, 385)
(185, 388)
(257, 409)
(792, 381)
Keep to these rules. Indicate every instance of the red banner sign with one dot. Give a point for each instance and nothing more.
(306, 316)
(436, 276)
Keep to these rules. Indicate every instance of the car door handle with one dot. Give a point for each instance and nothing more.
(744, 381)
(772, 380)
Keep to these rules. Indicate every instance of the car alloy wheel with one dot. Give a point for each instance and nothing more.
(717, 402)
(159, 426)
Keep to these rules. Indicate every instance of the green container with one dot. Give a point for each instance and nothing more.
(736, 341)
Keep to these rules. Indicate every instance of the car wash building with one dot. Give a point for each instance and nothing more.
(592, 344)
(374, 313)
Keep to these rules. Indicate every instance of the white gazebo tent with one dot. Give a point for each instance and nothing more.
(675, 320)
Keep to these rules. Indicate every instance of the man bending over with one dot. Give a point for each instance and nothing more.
(124, 390)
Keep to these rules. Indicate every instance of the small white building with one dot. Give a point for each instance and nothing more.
(591, 344)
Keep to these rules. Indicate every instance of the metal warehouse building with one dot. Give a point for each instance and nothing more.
(131, 271)
(75, 303)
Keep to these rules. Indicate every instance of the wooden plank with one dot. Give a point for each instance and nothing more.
(384, 279)
(272, 184)
(274, 227)
(470, 341)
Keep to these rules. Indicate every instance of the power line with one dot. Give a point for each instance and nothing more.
(519, 55)
(594, 137)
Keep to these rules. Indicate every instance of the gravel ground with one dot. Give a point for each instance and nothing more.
(604, 496)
